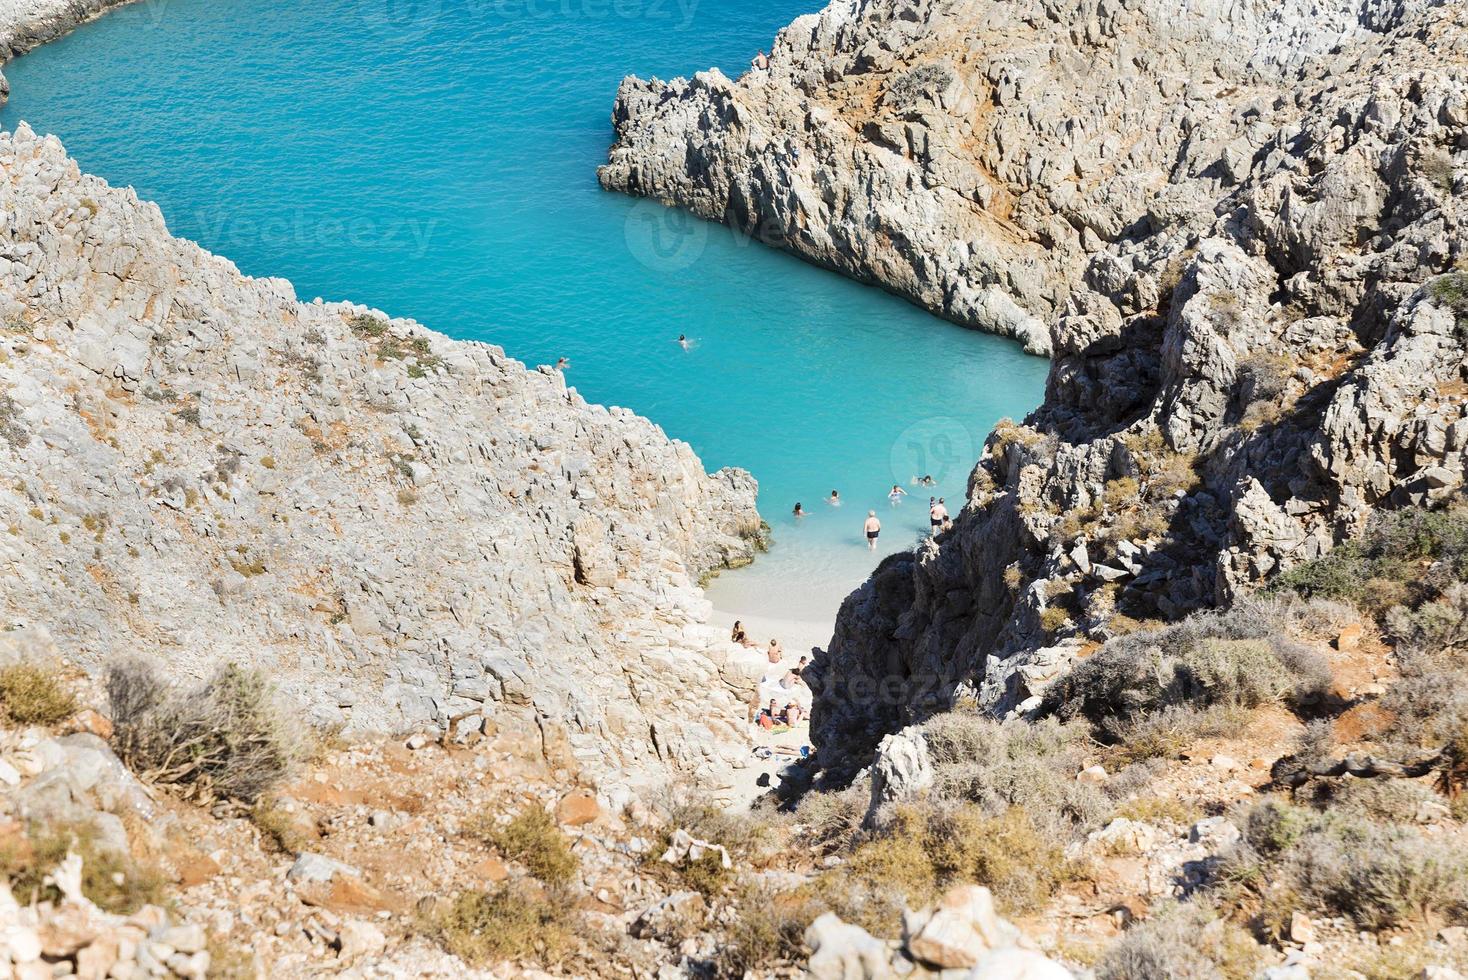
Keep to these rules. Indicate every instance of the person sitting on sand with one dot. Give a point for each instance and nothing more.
(792, 714)
(834, 500)
(769, 717)
(799, 510)
(740, 637)
(775, 652)
(873, 528)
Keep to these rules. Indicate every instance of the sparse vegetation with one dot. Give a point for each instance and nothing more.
(1236, 658)
(221, 740)
(34, 694)
(367, 326)
(533, 839)
(1188, 942)
(510, 922)
(278, 829)
(110, 877)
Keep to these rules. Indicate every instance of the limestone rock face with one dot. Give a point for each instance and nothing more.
(400, 528)
(1242, 226)
(973, 156)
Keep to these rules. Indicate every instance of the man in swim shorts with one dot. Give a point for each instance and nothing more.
(873, 528)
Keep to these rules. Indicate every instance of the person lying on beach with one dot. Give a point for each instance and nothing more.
(740, 637)
(873, 528)
(834, 500)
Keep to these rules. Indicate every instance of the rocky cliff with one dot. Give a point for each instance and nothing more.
(401, 528)
(24, 24)
(1239, 228)
(970, 156)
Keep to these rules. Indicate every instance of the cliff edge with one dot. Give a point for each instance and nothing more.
(398, 527)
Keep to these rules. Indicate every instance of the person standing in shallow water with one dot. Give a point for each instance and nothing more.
(799, 510)
(873, 528)
(834, 500)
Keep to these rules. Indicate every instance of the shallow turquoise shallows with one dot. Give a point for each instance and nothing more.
(436, 159)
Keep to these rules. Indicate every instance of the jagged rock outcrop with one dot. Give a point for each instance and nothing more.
(399, 527)
(1243, 225)
(972, 156)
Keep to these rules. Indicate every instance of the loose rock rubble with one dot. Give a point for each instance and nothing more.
(963, 932)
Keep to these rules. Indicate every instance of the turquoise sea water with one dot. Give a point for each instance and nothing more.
(436, 159)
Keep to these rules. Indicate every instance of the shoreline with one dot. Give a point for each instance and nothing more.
(25, 28)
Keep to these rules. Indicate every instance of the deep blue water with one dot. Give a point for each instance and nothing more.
(436, 159)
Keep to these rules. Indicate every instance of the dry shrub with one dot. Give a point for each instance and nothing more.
(768, 930)
(224, 739)
(511, 922)
(998, 765)
(279, 830)
(833, 819)
(110, 878)
(1238, 657)
(1346, 861)
(33, 694)
(922, 852)
(1185, 942)
(1380, 875)
(533, 839)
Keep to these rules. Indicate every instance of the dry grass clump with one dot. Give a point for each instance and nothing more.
(1345, 861)
(1143, 686)
(511, 922)
(922, 851)
(1186, 942)
(278, 829)
(33, 694)
(998, 765)
(533, 839)
(224, 739)
(110, 878)
(768, 929)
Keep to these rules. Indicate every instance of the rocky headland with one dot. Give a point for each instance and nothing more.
(1237, 228)
(24, 24)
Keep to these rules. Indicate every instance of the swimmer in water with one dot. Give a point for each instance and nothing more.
(684, 342)
(834, 500)
(562, 364)
(897, 494)
(799, 510)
